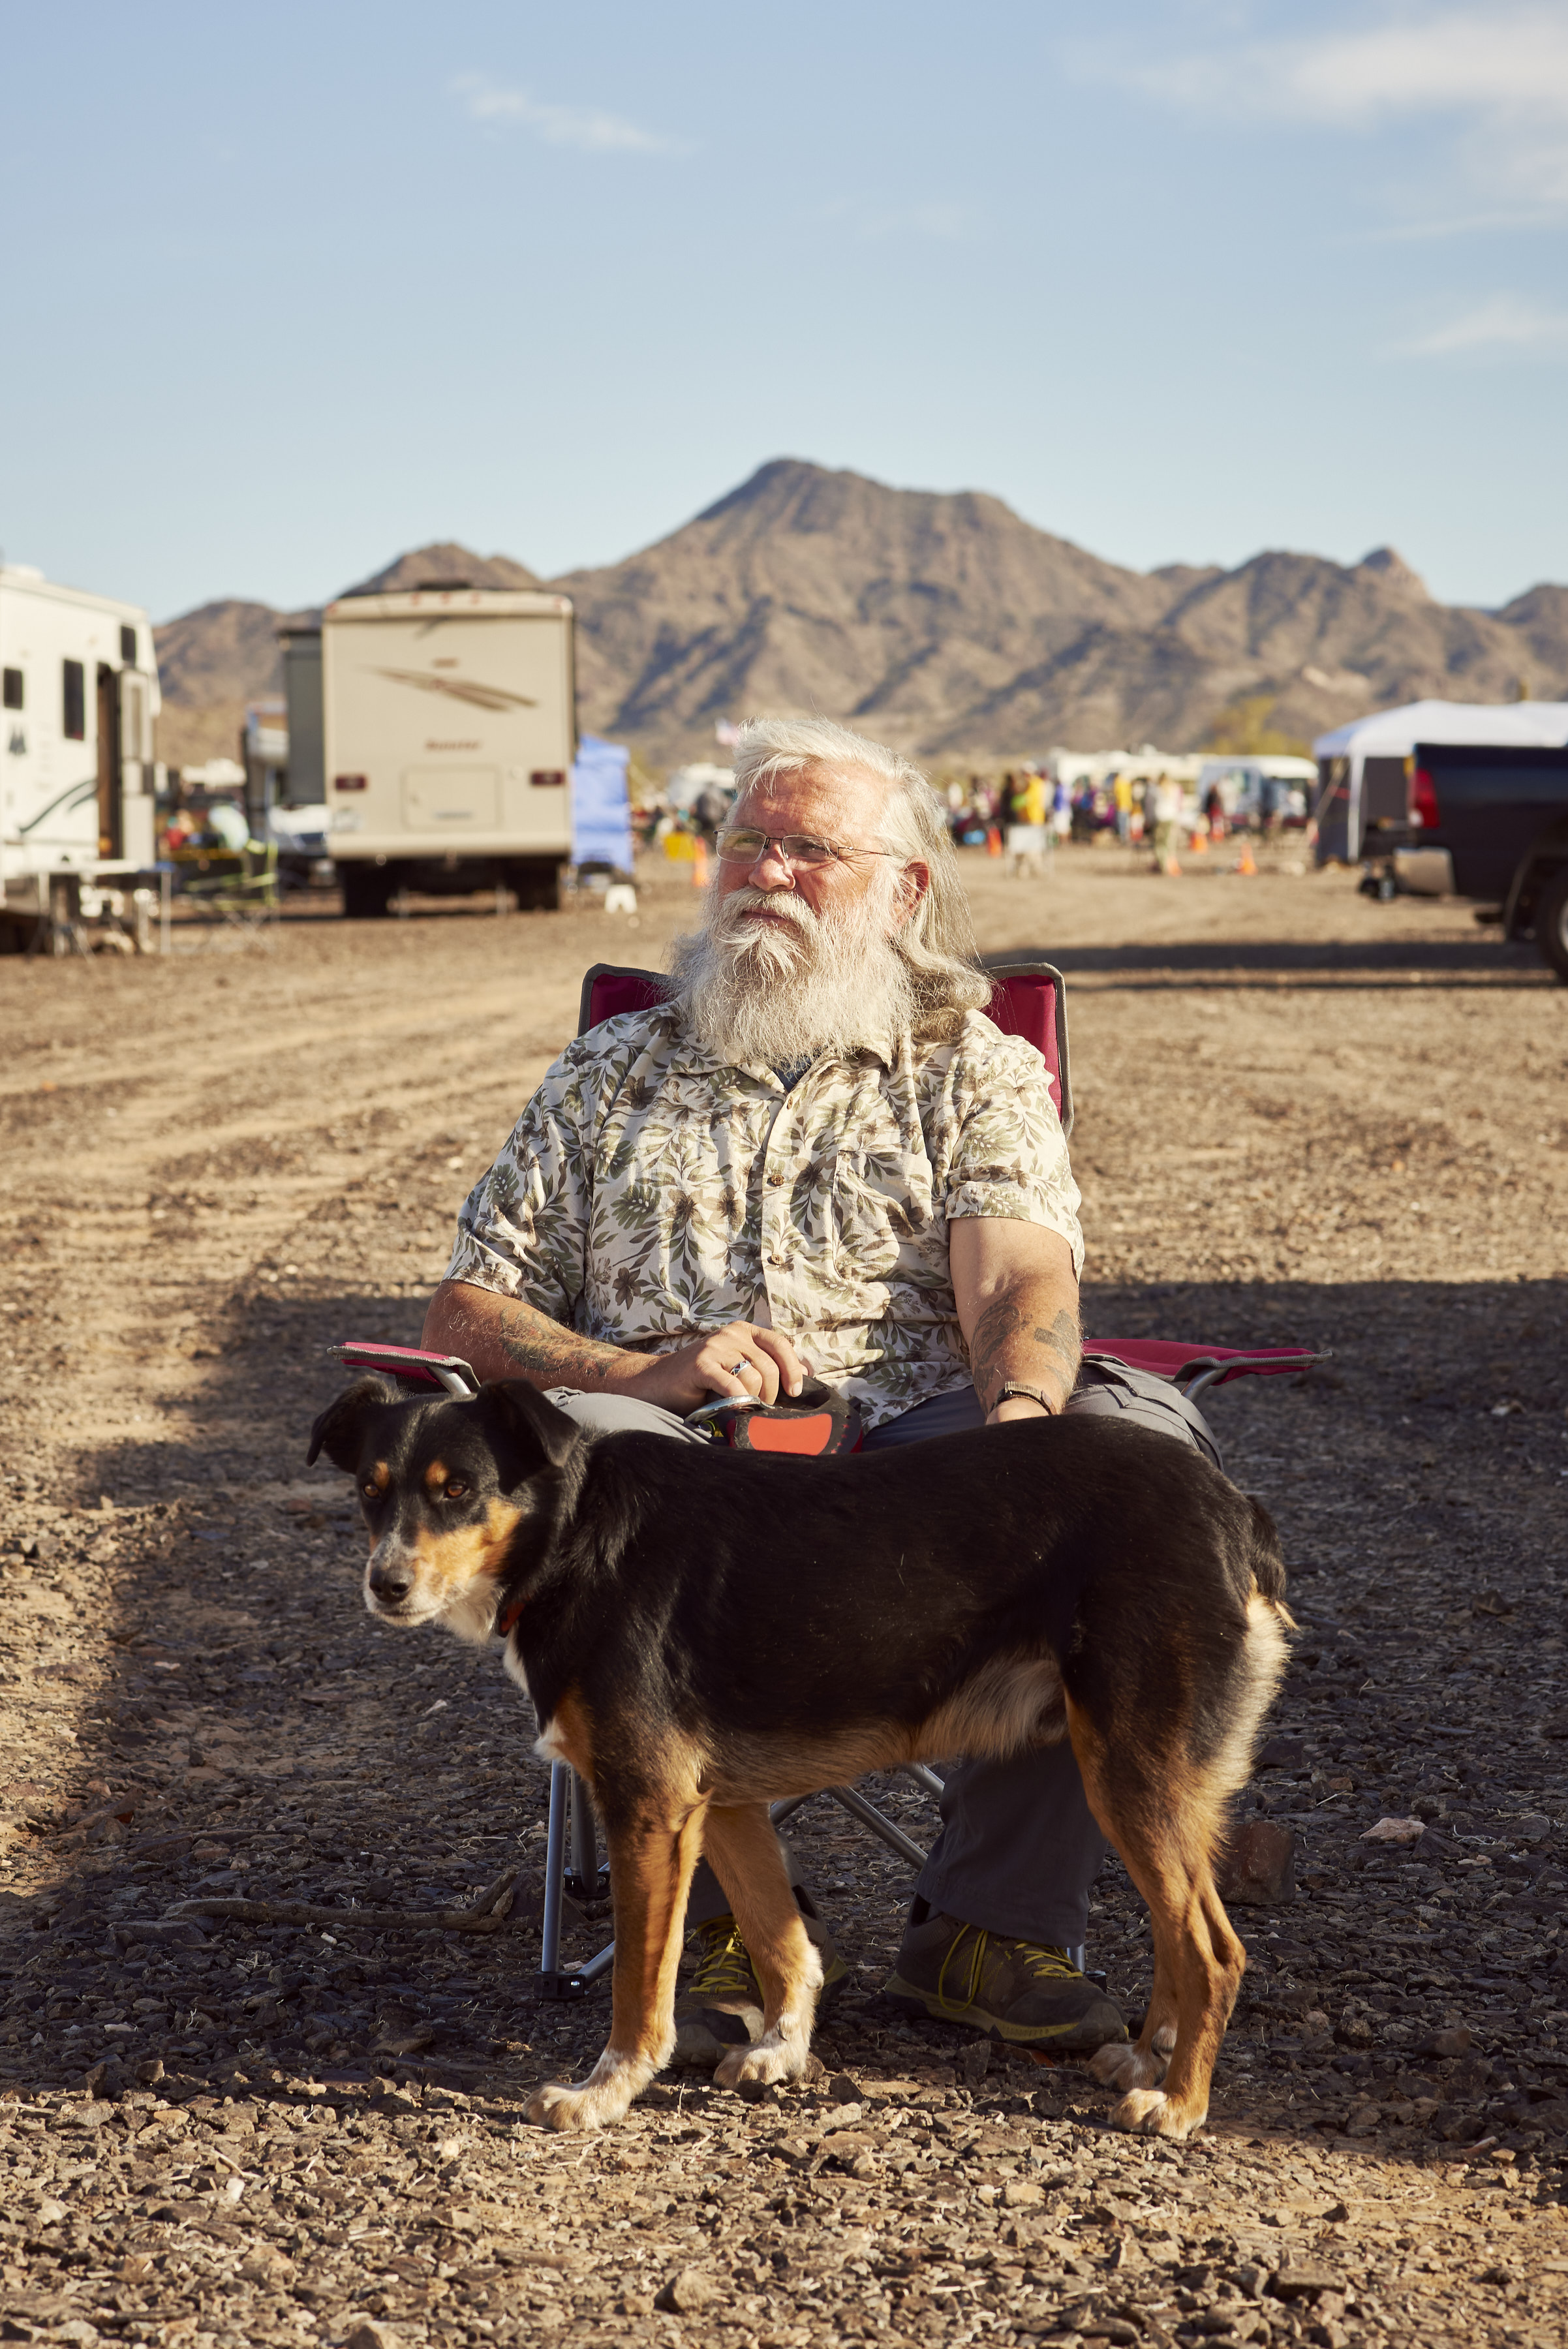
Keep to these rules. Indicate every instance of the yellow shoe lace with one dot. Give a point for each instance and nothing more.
(724, 1968)
(1046, 1963)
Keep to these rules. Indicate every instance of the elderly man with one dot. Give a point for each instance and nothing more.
(820, 1156)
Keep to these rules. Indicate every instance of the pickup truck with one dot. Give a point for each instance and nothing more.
(1502, 817)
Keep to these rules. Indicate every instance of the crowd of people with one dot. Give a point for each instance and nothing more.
(1023, 813)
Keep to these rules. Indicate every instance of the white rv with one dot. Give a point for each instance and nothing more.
(448, 736)
(78, 681)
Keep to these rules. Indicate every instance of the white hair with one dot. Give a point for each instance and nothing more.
(937, 943)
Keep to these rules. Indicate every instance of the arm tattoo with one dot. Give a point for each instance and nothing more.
(1008, 1343)
(540, 1349)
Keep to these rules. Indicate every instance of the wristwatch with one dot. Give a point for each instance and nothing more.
(1035, 1394)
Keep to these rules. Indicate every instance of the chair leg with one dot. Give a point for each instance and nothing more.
(571, 1821)
(555, 1870)
(583, 1877)
(869, 1815)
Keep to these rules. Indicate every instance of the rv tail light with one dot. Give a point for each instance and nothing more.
(548, 778)
(1424, 800)
(349, 782)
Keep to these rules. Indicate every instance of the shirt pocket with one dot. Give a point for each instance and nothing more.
(882, 1212)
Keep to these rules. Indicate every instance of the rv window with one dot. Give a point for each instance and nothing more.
(76, 702)
(14, 688)
(128, 646)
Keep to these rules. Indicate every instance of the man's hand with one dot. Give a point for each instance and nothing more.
(503, 1338)
(738, 1360)
(1017, 1308)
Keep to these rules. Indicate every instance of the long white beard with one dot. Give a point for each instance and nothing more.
(757, 993)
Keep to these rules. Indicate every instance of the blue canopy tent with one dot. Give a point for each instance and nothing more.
(601, 805)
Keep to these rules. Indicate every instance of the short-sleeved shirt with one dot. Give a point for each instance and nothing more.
(649, 1193)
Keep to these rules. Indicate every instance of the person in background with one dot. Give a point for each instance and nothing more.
(1166, 823)
(1062, 814)
(1122, 794)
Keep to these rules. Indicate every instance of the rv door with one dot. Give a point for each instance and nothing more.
(110, 786)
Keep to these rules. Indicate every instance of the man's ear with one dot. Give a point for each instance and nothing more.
(534, 1417)
(336, 1431)
(914, 881)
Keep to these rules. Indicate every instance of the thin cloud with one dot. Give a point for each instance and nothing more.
(1498, 73)
(1506, 324)
(590, 128)
(947, 224)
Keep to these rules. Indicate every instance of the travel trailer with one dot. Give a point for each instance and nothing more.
(448, 736)
(78, 782)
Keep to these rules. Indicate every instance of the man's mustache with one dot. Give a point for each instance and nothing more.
(779, 902)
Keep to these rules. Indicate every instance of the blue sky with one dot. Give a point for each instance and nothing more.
(289, 290)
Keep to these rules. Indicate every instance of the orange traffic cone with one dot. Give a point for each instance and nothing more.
(1244, 863)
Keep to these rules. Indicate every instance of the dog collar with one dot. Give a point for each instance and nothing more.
(509, 1616)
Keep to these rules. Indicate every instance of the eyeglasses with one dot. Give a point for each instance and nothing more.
(742, 846)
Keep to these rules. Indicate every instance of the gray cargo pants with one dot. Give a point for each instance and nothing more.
(1019, 1848)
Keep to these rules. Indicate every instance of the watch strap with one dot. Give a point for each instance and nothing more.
(1034, 1395)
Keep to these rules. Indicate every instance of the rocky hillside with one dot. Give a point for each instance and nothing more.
(951, 627)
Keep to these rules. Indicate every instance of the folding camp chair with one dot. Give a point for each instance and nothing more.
(1028, 1000)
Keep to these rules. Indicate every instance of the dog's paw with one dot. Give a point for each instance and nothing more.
(1150, 2112)
(773, 2058)
(1118, 2067)
(572, 2111)
(557, 2107)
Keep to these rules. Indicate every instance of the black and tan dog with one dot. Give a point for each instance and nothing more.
(700, 1632)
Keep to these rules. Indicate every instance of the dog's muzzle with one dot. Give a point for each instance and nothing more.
(389, 1579)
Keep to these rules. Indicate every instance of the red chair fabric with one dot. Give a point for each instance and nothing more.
(1027, 999)
(1167, 1358)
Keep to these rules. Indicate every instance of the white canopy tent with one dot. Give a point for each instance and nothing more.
(1393, 734)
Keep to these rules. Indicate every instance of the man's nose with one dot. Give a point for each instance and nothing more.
(772, 869)
(392, 1578)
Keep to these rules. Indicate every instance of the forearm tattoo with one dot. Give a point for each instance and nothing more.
(539, 1348)
(1008, 1342)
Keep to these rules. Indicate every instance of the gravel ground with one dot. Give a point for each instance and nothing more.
(1300, 1116)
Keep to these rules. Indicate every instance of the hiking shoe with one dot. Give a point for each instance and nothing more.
(1021, 1992)
(721, 2006)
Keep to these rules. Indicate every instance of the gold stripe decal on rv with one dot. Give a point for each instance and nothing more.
(479, 697)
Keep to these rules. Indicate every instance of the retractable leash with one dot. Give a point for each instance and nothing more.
(816, 1423)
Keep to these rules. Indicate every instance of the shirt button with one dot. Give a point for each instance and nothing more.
(777, 1260)
(775, 1179)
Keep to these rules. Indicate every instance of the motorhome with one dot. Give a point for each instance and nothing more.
(1262, 789)
(448, 737)
(78, 681)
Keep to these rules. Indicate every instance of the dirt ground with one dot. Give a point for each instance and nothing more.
(1299, 1116)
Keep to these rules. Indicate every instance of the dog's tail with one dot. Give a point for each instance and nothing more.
(1268, 1566)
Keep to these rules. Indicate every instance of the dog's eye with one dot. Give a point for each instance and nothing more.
(455, 1488)
(371, 1491)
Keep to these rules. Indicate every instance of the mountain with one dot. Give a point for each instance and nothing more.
(948, 624)
(954, 628)
(445, 565)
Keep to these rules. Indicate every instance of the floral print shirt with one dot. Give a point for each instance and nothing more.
(649, 1193)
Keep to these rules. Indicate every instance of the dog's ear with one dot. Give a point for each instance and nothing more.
(535, 1418)
(336, 1431)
